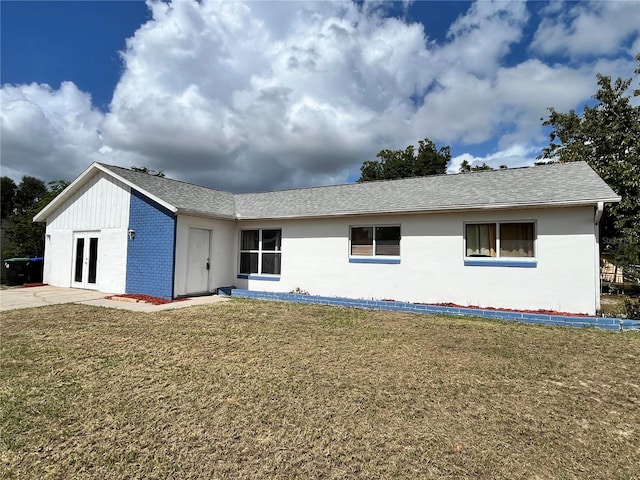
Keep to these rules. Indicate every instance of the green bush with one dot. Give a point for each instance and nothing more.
(632, 307)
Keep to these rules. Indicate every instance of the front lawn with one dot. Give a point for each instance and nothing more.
(248, 389)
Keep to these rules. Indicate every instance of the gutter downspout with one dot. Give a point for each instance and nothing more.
(599, 211)
(596, 221)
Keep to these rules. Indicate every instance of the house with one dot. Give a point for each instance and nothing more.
(523, 238)
(609, 271)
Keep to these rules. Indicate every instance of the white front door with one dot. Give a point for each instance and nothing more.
(85, 260)
(198, 261)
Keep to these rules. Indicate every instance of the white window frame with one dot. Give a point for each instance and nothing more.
(260, 251)
(498, 259)
(375, 258)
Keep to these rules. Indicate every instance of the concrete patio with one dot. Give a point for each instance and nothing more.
(19, 297)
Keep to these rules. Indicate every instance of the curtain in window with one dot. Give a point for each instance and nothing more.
(481, 240)
(516, 239)
(249, 240)
(271, 240)
(248, 263)
(271, 263)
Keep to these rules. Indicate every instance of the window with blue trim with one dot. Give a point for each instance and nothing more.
(375, 241)
(260, 252)
(496, 240)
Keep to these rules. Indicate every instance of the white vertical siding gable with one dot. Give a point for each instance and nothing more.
(101, 203)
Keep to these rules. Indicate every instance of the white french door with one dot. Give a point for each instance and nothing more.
(85, 260)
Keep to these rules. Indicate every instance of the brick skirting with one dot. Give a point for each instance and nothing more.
(604, 323)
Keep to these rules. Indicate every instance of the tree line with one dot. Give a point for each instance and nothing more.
(20, 203)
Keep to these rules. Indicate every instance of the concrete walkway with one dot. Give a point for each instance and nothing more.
(16, 298)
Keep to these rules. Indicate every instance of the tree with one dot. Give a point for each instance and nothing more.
(24, 237)
(8, 192)
(607, 136)
(147, 170)
(406, 163)
(30, 191)
(465, 167)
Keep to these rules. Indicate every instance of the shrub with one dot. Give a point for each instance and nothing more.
(632, 307)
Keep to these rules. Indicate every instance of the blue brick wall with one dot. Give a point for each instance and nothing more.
(150, 256)
(615, 324)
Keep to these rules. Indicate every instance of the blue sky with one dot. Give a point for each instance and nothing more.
(50, 42)
(248, 96)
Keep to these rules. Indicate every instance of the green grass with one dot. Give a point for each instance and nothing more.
(248, 389)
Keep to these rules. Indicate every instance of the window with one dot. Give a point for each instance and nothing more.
(260, 252)
(498, 240)
(516, 239)
(370, 241)
(481, 240)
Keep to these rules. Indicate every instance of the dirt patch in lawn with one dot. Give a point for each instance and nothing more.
(251, 389)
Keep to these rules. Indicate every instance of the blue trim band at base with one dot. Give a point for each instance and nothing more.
(266, 278)
(500, 263)
(388, 261)
(603, 323)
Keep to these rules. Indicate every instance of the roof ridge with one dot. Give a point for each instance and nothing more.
(437, 175)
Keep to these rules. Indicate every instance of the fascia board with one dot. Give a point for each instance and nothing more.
(196, 213)
(449, 208)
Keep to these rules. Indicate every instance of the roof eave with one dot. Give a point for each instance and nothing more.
(196, 213)
(439, 209)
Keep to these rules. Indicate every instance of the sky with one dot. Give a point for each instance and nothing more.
(266, 95)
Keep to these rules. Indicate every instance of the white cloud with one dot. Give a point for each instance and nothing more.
(47, 133)
(264, 95)
(249, 99)
(517, 155)
(589, 28)
(526, 91)
(464, 104)
(484, 35)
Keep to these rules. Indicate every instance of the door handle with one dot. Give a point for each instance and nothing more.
(208, 265)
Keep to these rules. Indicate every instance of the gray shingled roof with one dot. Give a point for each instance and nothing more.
(187, 198)
(555, 184)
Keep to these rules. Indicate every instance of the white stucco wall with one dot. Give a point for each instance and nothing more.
(57, 257)
(112, 260)
(100, 205)
(223, 251)
(315, 258)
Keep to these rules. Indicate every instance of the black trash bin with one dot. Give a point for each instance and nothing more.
(24, 270)
(17, 270)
